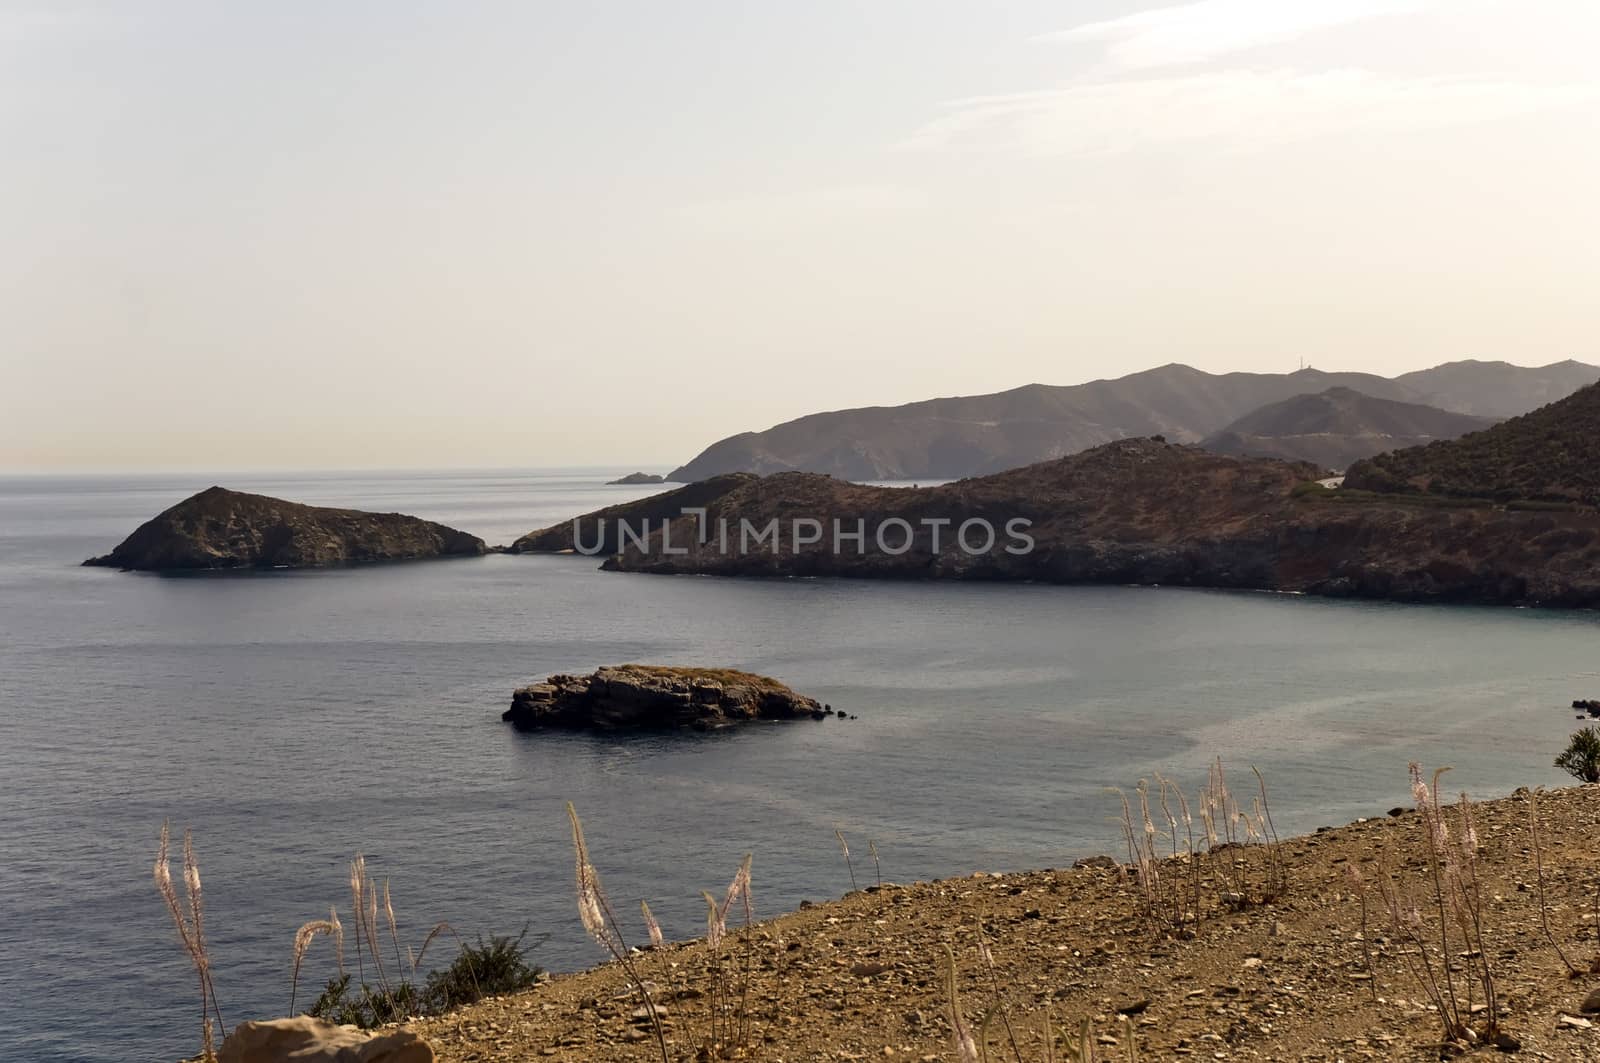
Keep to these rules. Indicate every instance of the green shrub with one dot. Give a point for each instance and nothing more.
(491, 968)
(367, 1008)
(1581, 758)
(487, 969)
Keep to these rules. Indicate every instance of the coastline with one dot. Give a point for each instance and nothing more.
(1138, 511)
(861, 977)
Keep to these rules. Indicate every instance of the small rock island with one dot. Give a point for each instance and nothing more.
(637, 478)
(655, 697)
(223, 529)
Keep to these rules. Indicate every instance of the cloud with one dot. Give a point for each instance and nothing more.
(1243, 107)
(1197, 32)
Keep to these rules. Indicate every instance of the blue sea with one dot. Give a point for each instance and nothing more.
(294, 719)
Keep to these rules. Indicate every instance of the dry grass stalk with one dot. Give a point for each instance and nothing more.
(728, 1025)
(966, 1047)
(367, 901)
(1360, 886)
(1457, 903)
(1544, 909)
(970, 1048)
(594, 910)
(358, 873)
(302, 942)
(844, 847)
(1000, 1005)
(1236, 850)
(394, 932)
(364, 906)
(190, 925)
(652, 927)
(438, 928)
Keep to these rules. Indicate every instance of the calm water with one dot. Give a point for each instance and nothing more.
(294, 719)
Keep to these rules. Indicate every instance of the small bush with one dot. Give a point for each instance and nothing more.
(367, 1007)
(497, 966)
(488, 969)
(1581, 758)
(493, 968)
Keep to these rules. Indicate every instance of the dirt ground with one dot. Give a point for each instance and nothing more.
(864, 977)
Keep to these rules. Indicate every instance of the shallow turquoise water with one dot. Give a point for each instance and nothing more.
(295, 718)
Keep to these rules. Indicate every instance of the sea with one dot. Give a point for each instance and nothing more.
(295, 719)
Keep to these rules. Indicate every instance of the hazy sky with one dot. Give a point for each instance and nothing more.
(400, 233)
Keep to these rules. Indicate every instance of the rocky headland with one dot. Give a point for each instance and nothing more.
(656, 697)
(1140, 511)
(634, 478)
(223, 529)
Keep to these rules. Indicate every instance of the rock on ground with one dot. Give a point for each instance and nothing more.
(310, 1040)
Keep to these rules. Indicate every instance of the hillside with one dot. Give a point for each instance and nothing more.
(1550, 455)
(219, 528)
(1496, 389)
(1320, 972)
(973, 435)
(1337, 427)
(1131, 512)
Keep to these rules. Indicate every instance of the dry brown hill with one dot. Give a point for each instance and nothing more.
(1132, 512)
(1550, 455)
(1338, 427)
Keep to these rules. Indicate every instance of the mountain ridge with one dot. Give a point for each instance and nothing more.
(955, 436)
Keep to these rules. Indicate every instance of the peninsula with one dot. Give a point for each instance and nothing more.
(1145, 511)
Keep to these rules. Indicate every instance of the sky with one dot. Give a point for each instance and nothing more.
(390, 233)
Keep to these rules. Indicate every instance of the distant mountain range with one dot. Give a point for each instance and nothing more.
(1337, 427)
(1551, 455)
(975, 435)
